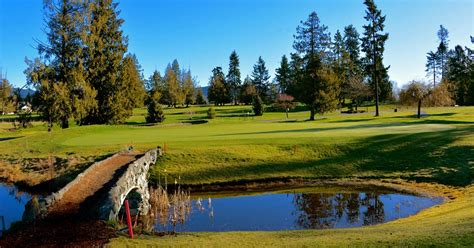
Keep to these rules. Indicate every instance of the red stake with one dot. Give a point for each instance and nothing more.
(129, 219)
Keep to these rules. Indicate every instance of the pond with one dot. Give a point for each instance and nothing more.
(12, 205)
(297, 209)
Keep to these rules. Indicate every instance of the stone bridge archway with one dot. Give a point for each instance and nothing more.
(134, 178)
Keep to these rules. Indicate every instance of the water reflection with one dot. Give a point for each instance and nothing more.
(321, 211)
(296, 211)
(12, 205)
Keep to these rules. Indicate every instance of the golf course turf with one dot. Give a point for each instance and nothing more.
(436, 151)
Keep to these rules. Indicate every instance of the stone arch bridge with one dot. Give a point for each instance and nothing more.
(100, 190)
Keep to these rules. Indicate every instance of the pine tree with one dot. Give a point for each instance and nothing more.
(6, 91)
(296, 73)
(200, 100)
(443, 50)
(260, 78)
(105, 49)
(460, 73)
(132, 84)
(432, 69)
(283, 75)
(233, 76)
(341, 65)
(155, 81)
(218, 92)
(338, 47)
(353, 85)
(155, 111)
(373, 45)
(172, 86)
(352, 46)
(316, 84)
(62, 74)
(247, 91)
(188, 88)
(257, 104)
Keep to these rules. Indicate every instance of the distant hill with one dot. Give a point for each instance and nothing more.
(204, 89)
(24, 92)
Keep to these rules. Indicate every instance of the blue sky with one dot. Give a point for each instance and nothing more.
(202, 34)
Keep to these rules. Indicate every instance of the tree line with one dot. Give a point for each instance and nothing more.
(323, 71)
(84, 71)
(451, 75)
(452, 69)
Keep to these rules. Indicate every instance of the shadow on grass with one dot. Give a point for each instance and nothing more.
(353, 120)
(424, 157)
(322, 129)
(10, 138)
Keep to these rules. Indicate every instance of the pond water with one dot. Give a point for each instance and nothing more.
(12, 205)
(297, 210)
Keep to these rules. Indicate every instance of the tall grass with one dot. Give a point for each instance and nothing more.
(169, 209)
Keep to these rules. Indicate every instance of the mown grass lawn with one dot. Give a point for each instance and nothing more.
(437, 149)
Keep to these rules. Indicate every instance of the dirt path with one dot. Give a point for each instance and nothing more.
(89, 184)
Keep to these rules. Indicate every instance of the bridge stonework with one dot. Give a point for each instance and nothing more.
(109, 200)
(134, 178)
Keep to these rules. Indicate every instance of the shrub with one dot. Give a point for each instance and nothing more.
(24, 119)
(155, 112)
(258, 106)
(211, 113)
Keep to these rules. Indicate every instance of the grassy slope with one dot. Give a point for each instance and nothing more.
(438, 148)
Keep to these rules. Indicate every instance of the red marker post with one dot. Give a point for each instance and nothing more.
(129, 219)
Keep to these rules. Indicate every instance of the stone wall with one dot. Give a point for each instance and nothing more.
(54, 197)
(135, 177)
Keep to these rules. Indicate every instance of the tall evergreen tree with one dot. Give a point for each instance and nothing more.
(172, 89)
(155, 111)
(132, 84)
(247, 91)
(339, 48)
(296, 72)
(176, 70)
(155, 81)
(352, 46)
(105, 49)
(373, 44)
(443, 50)
(260, 78)
(188, 88)
(233, 76)
(218, 92)
(461, 74)
(6, 91)
(341, 65)
(312, 38)
(200, 100)
(316, 84)
(62, 67)
(353, 85)
(283, 75)
(432, 69)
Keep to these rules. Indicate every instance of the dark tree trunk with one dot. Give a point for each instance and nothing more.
(311, 114)
(419, 109)
(65, 123)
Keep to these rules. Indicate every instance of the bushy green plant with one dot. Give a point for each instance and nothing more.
(211, 113)
(155, 112)
(258, 107)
